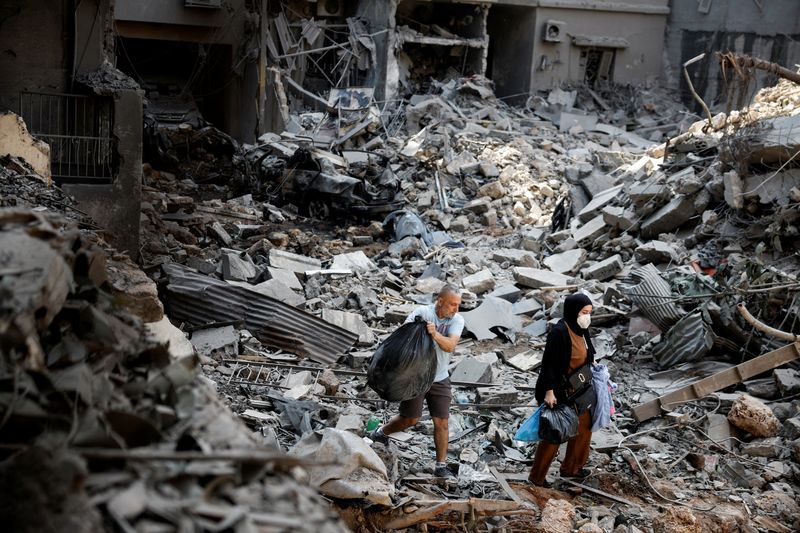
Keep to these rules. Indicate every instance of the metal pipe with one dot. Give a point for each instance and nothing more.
(760, 326)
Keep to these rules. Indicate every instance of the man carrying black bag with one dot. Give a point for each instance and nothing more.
(445, 326)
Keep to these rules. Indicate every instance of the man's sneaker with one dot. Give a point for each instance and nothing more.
(374, 436)
(443, 471)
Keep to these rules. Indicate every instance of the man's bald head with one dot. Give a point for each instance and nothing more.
(447, 301)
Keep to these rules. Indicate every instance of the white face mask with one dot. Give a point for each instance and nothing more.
(584, 321)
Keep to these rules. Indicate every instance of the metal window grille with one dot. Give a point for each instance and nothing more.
(78, 129)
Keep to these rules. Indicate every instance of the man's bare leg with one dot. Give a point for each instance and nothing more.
(399, 423)
(441, 435)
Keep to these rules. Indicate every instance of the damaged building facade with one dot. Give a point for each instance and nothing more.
(70, 96)
(768, 30)
(247, 67)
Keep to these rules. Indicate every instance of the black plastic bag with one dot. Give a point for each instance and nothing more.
(404, 365)
(559, 424)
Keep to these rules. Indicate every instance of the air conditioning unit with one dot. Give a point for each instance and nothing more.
(213, 4)
(330, 8)
(553, 31)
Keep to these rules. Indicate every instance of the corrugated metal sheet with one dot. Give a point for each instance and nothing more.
(653, 297)
(197, 300)
(688, 340)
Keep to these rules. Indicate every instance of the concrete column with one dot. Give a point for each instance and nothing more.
(116, 207)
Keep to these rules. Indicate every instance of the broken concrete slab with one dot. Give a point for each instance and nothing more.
(777, 140)
(772, 187)
(358, 360)
(619, 217)
(500, 395)
(526, 361)
(719, 429)
(398, 314)
(787, 380)
(352, 423)
(604, 270)
(770, 448)
(510, 293)
(493, 189)
(275, 288)
(221, 341)
(287, 277)
(355, 261)
(134, 290)
(478, 205)
(515, 257)
(429, 285)
(479, 282)
(669, 217)
(221, 233)
(642, 193)
(470, 370)
(527, 307)
(536, 329)
(586, 234)
(293, 262)
(351, 322)
(656, 252)
(569, 119)
(164, 332)
(493, 312)
(303, 377)
(595, 206)
(237, 267)
(298, 392)
(568, 262)
(532, 240)
(536, 278)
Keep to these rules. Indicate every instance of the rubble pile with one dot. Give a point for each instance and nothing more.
(106, 422)
(516, 206)
(285, 289)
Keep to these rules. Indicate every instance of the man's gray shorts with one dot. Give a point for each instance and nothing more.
(438, 397)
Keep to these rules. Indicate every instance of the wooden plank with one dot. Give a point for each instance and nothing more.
(505, 486)
(720, 380)
(608, 495)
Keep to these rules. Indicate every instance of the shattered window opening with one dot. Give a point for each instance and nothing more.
(597, 64)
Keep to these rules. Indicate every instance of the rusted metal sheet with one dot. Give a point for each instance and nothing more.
(653, 296)
(197, 300)
(688, 340)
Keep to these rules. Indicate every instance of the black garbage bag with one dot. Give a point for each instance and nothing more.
(559, 424)
(404, 365)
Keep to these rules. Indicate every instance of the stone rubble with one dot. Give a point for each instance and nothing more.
(551, 201)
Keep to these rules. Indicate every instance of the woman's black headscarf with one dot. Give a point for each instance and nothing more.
(572, 306)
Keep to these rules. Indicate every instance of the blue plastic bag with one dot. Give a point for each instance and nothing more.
(529, 430)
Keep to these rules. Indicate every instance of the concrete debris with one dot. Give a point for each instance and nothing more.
(753, 416)
(279, 256)
(16, 141)
(223, 341)
(470, 370)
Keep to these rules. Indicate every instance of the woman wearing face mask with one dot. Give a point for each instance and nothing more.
(568, 348)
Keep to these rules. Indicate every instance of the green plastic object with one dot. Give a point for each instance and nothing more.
(373, 423)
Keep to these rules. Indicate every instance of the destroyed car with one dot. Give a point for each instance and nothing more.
(317, 187)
